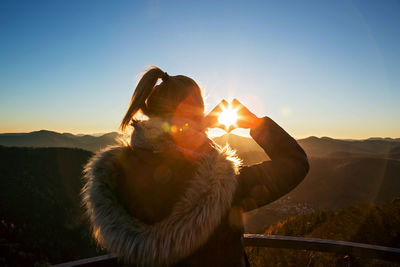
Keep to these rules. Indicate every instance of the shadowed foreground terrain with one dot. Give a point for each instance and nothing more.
(41, 220)
(40, 215)
(363, 223)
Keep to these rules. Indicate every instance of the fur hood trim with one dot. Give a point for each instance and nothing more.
(191, 222)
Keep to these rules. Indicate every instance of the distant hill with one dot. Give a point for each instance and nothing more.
(93, 143)
(325, 146)
(45, 138)
(252, 153)
(338, 182)
(240, 143)
(320, 147)
(333, 183)
(313, 146)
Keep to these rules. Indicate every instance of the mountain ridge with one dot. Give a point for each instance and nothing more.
(46, 138)
(313, 146)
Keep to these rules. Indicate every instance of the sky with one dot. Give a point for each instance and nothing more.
(317, 68)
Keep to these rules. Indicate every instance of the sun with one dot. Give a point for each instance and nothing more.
(228, 117)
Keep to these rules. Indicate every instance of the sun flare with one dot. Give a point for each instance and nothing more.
(228, 117)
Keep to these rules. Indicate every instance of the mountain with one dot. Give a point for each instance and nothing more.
(252, 153)
(338, 182)
(325, 146)
(313, 146)
(46, 138)
(239, 143)
(386, 139)
(333, 183)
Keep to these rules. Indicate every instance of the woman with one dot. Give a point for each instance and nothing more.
(173, 197)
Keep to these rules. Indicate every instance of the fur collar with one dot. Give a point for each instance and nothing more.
(191, 222)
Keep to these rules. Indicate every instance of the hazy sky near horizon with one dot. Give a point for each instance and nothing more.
(316, 67)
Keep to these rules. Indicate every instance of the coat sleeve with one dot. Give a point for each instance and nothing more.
(265, 182)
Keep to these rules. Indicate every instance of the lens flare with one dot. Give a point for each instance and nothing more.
(228, 117)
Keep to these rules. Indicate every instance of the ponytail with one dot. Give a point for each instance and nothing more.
(142, 92)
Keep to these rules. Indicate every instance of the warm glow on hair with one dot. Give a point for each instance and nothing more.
(175, 96)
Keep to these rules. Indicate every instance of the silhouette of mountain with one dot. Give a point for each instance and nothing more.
(46, 138)
(239, 143)
(384, 139)
(333, 183)
(325, 146)
(313, 146)
(322, 147)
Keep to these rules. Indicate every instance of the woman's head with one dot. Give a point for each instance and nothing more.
(176, 96)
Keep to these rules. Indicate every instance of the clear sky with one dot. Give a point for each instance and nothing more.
(323, 68)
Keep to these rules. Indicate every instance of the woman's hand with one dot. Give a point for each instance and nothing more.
(211, 120)
(246, 119)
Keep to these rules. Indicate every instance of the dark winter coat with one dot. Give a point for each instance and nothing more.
(159, 208)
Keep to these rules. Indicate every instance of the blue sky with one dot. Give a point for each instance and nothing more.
(316, 67)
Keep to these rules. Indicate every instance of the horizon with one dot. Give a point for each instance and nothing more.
(317, 69)
(212, 135)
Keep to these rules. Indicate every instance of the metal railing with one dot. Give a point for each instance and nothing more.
(274, 241)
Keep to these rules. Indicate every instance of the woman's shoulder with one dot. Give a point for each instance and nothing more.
(131, 160)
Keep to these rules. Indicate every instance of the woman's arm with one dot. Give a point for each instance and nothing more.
(263, 183)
